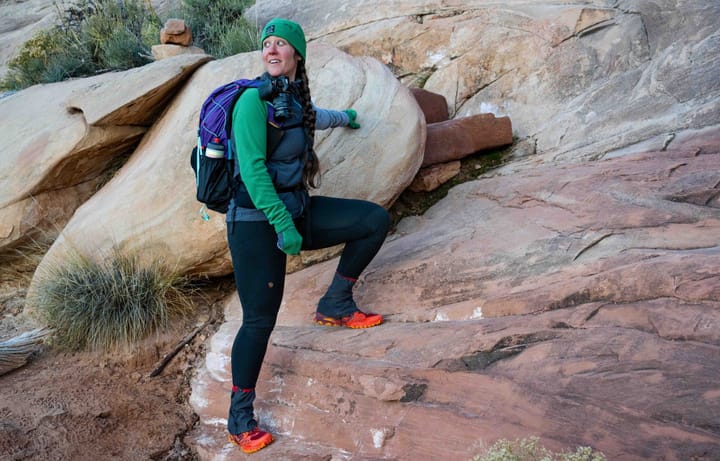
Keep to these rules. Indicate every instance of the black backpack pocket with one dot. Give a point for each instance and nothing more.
(214, 180)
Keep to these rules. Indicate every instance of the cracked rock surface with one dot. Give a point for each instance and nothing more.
(579, 303)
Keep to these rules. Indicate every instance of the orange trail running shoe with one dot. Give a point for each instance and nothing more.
(358, 319)
(251, 441)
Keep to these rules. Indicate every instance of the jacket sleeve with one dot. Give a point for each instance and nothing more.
(328, 118)
(249, 132)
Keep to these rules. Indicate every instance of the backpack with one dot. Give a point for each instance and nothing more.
(212, 159)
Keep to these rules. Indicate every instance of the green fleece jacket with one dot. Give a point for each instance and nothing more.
(251, 145)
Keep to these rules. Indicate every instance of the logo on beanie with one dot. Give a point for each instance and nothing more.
(270, 29)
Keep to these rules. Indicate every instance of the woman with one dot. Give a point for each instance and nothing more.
(272, 215)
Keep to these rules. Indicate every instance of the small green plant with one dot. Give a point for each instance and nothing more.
(219, 27)
(102, 305)
(91, 36)
(237, 38)
(32, 61)
(416, 203)
(530, 450)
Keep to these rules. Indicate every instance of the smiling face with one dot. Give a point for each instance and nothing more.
(279, 57)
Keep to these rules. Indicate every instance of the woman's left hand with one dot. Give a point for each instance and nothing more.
(352, 115)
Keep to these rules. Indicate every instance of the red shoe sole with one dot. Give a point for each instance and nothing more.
(334, 322)
(259, 445)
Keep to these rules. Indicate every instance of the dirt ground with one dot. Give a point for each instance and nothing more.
(97, 406)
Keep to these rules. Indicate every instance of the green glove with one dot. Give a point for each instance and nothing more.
(290, 241)
(353, 115)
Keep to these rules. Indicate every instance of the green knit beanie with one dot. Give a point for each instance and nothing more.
(290, 31)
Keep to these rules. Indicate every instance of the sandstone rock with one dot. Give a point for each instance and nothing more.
(63, 136)
(595, 251)
(589, 228)
(432, 177)
(617, 260)
(577, 80)
(176, 32)
(151, 200)
(174, 27)
(433, 105)
(460, 137)
(168, 51)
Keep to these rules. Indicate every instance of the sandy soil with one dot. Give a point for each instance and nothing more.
(91, 406)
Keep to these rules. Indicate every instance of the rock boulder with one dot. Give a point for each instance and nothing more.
(149, 207)
(455, 139)
(64, 136)
(176, 32)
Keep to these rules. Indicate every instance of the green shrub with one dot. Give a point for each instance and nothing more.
(91, 36)
(123, 50)
(118, 302)
(219, 27)
(111, 26)
(529, 450)
(236, 38)
(94, 36)
(33, 59)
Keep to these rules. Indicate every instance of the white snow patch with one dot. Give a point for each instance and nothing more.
(434, 58)
(378, 436)
(216, 365)
(440, 317)
(216, 361)
(197, 401)
(278, 382)
(477, 313)
(216, 422)
(489, 108)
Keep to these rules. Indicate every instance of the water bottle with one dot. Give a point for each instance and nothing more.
(214, 149)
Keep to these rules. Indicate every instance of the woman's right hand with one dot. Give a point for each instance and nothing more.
(290, 241)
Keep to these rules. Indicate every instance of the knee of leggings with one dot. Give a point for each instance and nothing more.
(379, 220)
(260, 325)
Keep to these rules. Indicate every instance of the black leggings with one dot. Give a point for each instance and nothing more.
(259, 267)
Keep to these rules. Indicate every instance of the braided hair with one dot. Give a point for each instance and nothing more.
(311, 171)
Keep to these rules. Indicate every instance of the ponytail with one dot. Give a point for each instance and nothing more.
(311, 171)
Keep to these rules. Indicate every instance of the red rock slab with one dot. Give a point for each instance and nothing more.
(458, 138)
(433, 105)
(434, 176)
